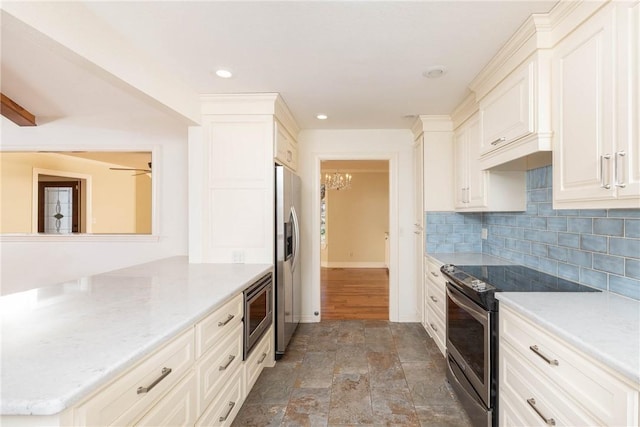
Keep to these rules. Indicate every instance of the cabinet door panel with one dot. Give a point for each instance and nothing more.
(506, 113)
(629, 103)
(583, 71)
(476, 185)
(461, 161)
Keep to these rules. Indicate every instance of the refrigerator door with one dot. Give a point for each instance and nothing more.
(287, 292)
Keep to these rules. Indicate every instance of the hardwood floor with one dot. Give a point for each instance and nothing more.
(355, 293)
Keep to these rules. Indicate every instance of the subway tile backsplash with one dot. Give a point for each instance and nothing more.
(596, 247)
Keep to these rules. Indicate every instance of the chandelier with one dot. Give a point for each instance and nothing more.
(337, 181)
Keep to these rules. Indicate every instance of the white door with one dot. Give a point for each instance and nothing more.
(476, 177)
(460, 156)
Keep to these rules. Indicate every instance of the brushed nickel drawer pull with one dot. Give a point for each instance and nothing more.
(223, 367)
(229, 409)
(603, 184)
(164, 373)
(547, 421)
(434, 274)
(229, 319)
(433, 327)
(434, 299)
(264, 356)
(536, 350)
(499, 140)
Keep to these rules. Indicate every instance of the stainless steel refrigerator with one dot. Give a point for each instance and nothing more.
(288, 298)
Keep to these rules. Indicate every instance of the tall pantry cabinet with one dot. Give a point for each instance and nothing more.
(231, 176)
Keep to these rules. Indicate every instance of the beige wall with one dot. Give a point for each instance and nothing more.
(114, 193)
(357, 220)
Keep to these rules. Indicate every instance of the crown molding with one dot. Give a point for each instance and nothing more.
(431, 123)
(464, 110)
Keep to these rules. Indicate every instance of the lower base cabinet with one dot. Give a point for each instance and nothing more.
(225, 407)
(544, 380)
(177, 408)
(198, 378)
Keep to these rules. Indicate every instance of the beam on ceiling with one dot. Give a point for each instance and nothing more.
(14, 112)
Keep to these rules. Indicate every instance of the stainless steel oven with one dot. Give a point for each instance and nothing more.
(471, 353)
(258, 311)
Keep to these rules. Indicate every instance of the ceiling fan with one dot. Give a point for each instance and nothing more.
(141, 171)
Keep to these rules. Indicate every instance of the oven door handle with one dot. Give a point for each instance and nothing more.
(477, 313)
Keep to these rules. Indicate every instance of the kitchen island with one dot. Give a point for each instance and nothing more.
(62, 343)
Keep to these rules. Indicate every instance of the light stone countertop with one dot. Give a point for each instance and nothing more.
(603, 325)
(62, 342)
(468, 258)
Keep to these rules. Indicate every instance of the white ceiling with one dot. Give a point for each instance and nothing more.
(360, 62)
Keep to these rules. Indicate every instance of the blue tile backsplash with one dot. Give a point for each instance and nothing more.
(595, 247)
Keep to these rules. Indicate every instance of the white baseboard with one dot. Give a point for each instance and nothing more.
(310, 318)
(380, 264)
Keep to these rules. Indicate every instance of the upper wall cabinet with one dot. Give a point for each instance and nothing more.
(515, 115)
(286, 147)
(478, 190)
(596, 85)
(231, 177)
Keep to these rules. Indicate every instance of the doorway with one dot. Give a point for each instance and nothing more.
(354, 230)
(59, 206)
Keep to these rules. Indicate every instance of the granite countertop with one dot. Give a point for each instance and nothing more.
(62, 342)
(603, 325)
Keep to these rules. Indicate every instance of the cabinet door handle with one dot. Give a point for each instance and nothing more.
(433, 327)
(226, 415)
(226, 365)
(603, 184)
(289, 155)
(536, 350)
(434, 274)
(547, 421)
(229, 319)
(163, 375)
(620, 167)
(499, 140)
(434, 299)
(264, 356)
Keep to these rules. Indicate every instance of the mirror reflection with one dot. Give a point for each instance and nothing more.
(76, 192)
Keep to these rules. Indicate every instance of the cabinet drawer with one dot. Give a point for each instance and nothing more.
(433, 272)
(177, 408)
(609, 399)
(436, 298)
(523, 383)
(225, 407)
(260, 356)
(217, 366)
(437, 329)
(221, 321)
(121, 403)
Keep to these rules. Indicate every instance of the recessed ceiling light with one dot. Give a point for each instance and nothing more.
(435, 72)
(322, 117)
(225, 74)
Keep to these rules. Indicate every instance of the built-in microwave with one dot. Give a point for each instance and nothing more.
(258, 311)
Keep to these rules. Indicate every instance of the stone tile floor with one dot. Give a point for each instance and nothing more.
(355, 372)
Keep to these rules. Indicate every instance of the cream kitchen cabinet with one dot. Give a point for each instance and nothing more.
(543, 378)
(596, 93)
(434, 314)
(515, 116)
(128, 398)
(286, 147)
(479, 190)
(231, 176)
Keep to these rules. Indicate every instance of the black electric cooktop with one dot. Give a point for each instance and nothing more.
(480, 282)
